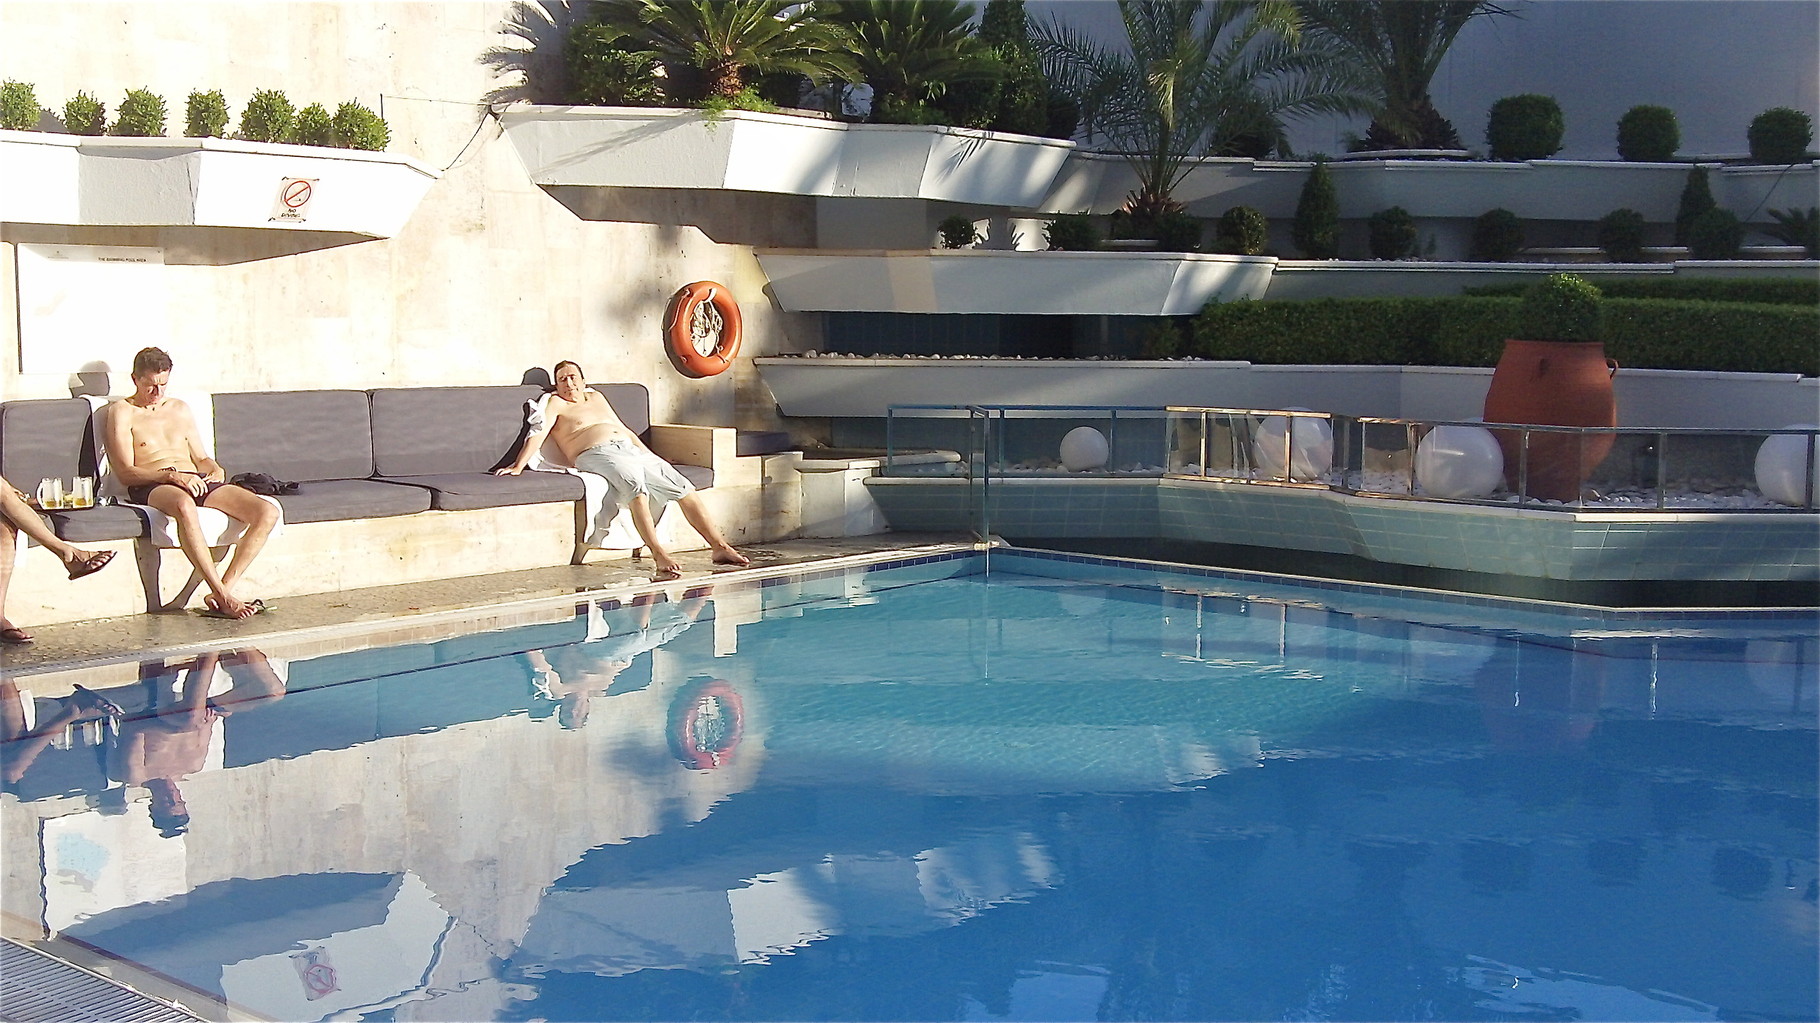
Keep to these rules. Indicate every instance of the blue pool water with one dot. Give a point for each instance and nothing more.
(1071, 789)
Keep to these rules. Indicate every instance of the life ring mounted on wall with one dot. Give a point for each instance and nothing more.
(702, 328)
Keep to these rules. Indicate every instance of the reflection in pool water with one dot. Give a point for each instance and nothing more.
(1074, 791)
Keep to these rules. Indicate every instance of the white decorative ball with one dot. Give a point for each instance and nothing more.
(1084, 448)
(1459, 462)
(1310, 454)
(1779, 475)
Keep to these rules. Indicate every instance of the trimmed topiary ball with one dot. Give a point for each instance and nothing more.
(205, 115)
(85, 115)
(141, 115)
(1497, 236)
(18, 106)
(1560, 307)
(356, 127)
(1243, 231)
(1526, 127)
(268, 117)
(1715, 234)
(1648, 134)
(1621, 236)
(1392, 233)
(1780, 135)
(313, 127)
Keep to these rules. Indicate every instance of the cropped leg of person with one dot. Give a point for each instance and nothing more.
(697, 513)
(17, 517)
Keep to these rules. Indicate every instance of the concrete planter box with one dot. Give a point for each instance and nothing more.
(837, 386)
(638, 147)
(989, 281)
(105, 181)
(1567, 190)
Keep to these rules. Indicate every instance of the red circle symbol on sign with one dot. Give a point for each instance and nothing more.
(296, 194)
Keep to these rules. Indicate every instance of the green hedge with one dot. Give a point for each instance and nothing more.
(1772, 290)
(1639, 333)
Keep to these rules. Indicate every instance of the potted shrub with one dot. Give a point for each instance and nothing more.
(18, 106)
(357, 127)
(1497, 236)
(1316, 230)
(1243, 231)
(1715, 234)
(1391, 233)
(313, 127)
(1555, 374)
(1527, 127)
(141, 115)
(205, 115)
(85, 115)
(1648, 134)
(1696, 198)
(958, 232)
(1780, 135)
(1071, 232)
(268, 117)
(1621, 236)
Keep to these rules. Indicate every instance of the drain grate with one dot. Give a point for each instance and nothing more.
(36, 988)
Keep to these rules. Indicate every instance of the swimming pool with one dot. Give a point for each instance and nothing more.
(1073, 788)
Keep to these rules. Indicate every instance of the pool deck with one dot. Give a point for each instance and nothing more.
(72, 645)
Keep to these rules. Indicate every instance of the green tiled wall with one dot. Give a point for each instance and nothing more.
(1537, 544)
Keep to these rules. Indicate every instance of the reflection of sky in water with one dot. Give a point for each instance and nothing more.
(851, 797)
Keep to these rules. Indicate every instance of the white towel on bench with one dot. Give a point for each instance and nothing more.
(218, 528)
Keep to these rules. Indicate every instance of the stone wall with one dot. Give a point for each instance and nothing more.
(490, 277)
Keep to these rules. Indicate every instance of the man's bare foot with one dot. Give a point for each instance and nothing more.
(664, 568)
(726, 555)
(228, 607)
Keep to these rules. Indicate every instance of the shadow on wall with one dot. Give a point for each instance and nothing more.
(725, 217)
(530, 62)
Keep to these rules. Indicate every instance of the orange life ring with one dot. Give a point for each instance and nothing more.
(702, 328)
(706, 722)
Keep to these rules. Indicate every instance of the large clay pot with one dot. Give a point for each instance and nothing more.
(1553, 383)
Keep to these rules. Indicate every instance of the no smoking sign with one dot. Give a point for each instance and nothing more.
(294, 195)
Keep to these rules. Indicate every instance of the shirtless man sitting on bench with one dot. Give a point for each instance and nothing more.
(154, 448)
(593, 439)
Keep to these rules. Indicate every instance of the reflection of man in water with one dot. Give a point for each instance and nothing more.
(573, 675)
(170, 741)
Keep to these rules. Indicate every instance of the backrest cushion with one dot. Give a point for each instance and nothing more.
(46, 437)
(295, 435)
(632, 402)
(427, 431)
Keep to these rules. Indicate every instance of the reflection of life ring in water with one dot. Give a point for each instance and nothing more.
(705, 724)
(702, 328)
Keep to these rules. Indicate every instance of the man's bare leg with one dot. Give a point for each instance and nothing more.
(667, 566)
(260, 518)
(697, 514)
(21, 515)
(180, 505)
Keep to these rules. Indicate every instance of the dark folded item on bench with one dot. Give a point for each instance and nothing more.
(260, 483)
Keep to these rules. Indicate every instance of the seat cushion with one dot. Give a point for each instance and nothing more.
(465, 491)
(430, 431)
(45, 438)
(295, 435)
(94, 525)
(338, 500)
(700, 475)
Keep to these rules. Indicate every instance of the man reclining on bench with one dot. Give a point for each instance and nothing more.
(154, 448)
(593, 439)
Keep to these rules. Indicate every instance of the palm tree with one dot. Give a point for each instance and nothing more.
(1196, 77)
(909, 51)
(1398, 45)
(730, 41)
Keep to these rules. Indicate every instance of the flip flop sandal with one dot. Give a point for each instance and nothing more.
(90, 565)
(259, 607)
(12, 635)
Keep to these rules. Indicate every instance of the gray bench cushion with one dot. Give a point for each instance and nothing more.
(45, 437)
(761, 442)
(336, 500)
(95, 525)
(700, 475)
(465, 491)
(295, 435)
(429, 431)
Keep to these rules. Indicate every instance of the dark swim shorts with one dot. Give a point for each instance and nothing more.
(138, 495)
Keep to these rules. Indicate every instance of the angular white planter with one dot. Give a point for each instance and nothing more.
(105, 181)
(990, 281)
(641, 147)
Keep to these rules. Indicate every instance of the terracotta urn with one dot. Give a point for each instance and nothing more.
(1553, 383)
